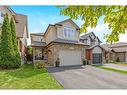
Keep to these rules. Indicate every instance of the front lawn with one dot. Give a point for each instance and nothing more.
(27, 77)
(111, 69)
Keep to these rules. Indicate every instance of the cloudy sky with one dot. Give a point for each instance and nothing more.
(39, 17)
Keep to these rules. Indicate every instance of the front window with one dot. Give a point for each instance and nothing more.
(69, 32)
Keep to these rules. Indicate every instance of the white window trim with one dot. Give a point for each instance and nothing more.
(68, 34)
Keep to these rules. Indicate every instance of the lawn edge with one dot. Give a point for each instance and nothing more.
(112, 69)
(55, 79)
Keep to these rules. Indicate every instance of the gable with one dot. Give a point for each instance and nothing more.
(97, 49)
(70, 23)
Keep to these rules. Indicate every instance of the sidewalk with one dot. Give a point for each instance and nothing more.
(114, 66)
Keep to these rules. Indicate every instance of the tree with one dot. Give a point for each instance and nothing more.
(17, 58)
(6, 47)
(115, 16)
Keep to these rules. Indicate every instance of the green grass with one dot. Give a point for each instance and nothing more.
(27, 77)
(111, 69)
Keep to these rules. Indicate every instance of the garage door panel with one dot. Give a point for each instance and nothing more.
(68, 58)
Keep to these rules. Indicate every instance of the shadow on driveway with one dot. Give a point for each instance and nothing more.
(63, 68)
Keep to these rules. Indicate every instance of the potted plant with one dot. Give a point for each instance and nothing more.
(85, 62)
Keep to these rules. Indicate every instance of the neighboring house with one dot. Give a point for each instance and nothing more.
(94, 52)
(21, 28)
(38, 43)
(115, 52)
(60, 41)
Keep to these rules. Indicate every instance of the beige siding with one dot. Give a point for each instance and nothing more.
(37, 38)
(51, 35)
(60, 31)
(24, 39)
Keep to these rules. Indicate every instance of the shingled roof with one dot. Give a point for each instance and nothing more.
(117, 47)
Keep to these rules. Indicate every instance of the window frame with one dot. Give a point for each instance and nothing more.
(70, 32)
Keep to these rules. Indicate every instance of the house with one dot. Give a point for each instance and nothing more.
(38, 43)
(115, 52)
(21, 28)
(94, 52)
(59, 41)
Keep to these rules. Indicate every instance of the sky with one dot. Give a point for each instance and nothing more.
(39, 17)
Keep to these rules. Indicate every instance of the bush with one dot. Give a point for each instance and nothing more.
(6, 47)
(9, 54)
(39, 64)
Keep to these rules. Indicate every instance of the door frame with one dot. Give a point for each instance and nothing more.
(100, 57)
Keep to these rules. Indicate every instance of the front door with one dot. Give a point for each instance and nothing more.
(97, 58)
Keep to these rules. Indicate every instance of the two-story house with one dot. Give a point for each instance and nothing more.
(59, 41)
(38, 44)
(94, 52)
(21, 28)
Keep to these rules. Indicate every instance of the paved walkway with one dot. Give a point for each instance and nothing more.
(88, 77)
(116, 66)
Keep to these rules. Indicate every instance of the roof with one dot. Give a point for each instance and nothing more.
(105, 46)
(37, 43)
(71, 21)
(21, 25)
(38, 34)
(120, 49)
(118, 44)
(60, 24)
(94, 47)
(68, 41)
(85, 36)
(13, 13)
(117, 47)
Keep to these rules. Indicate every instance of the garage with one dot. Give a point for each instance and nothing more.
(97, 58)
(97, 55)
(69, 58)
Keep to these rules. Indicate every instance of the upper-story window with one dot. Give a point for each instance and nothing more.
(69, 32)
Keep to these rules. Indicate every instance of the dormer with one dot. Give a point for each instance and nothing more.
(68, 30)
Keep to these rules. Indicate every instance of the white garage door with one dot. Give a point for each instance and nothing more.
(68, 58)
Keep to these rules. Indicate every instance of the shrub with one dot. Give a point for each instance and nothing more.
(39, 64)
(9, 55)
(17, 58)
(6, 47)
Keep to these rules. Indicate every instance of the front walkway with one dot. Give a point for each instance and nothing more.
(114, 66)
(88, 77)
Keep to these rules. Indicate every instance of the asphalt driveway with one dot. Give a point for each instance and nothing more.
(88, 77)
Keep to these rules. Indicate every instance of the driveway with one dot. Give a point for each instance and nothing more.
(88, 77)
